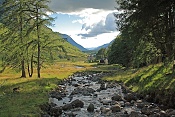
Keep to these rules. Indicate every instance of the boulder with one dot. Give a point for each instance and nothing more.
(129, 97)
(116, 108)
(67, 107)
(77, 103)
(90, 108)
(55, 111)
(104, 110)
(103, 86)
(146, 110)
(57, 95)
(116, 97)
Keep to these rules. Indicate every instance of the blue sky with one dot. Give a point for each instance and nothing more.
(63, 23)
(89, 22)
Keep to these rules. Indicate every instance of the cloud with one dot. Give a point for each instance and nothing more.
(68, 6)
(100, 26)
(95, 16)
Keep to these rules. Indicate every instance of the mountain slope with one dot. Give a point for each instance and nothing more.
(66, 50)
(71, 41)
(104, 46)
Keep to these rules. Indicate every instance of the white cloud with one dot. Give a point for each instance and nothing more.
(95, 16)
(95, 23)
(99, 40)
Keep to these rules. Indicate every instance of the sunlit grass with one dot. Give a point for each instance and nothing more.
(146, 79)
(33, 91)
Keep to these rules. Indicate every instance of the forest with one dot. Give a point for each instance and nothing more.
(147, 33)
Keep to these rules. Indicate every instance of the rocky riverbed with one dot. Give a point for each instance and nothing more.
(86, 95)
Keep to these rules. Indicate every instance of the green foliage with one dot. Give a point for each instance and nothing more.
(146, 53)
(147, 33)
(120, 52)
(101, 54)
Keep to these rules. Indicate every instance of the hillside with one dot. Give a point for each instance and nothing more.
(66, 50)
(72, 42)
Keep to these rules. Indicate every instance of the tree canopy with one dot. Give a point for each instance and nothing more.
(147, 29)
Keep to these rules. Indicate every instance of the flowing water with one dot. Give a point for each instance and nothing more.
(99, 98)
(91, 90)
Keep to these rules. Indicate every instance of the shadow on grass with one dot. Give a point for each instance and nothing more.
(137, 78)
(151, 79)
(26, 100)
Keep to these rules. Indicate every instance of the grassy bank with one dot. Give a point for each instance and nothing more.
(155, 82)
(32, 91)
(145, 79)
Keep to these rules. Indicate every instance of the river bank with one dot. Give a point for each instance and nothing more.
(85, 94)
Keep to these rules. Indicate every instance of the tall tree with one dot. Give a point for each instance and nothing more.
(40, 9)
(14, 18)
(23, 19)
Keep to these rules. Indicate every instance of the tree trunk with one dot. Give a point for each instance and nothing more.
(38, 36)
(30, 67)
(23, 75)
(38, 66)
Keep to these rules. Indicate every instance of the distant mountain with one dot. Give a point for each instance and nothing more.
(102, 46)
(71, 41)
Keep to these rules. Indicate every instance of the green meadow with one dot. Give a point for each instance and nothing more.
(32, 91)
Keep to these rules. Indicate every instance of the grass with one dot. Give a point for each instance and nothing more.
(147, 79)
(33, 91)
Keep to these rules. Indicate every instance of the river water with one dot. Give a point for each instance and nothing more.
(104, 96)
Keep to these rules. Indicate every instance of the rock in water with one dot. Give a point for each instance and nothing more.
(90, 108)
(129, 97)
(116, 108)
(116, 97)
(77, 103)
(56, 111)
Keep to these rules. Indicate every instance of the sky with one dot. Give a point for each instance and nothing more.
(90, 23)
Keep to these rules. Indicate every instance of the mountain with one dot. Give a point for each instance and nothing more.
(72, 42)
(66, 50)
(102, 46)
